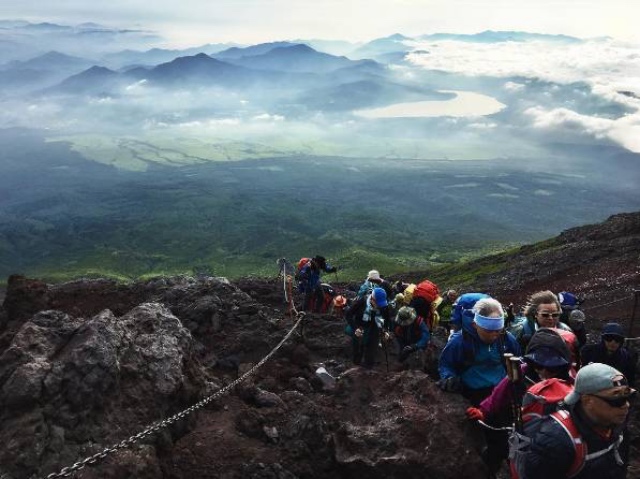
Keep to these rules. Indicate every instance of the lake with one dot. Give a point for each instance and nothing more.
(466, 103)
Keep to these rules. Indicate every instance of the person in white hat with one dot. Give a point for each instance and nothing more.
(374, 280)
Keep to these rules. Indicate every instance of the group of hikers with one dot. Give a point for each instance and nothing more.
(553, 405)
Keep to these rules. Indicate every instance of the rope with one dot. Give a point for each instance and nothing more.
(67, 471)
(607, 304)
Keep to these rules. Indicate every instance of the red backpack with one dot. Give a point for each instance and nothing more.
(427, 290)
(542, 398)
(301, 264)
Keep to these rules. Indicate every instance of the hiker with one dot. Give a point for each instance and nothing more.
(374, 280)
(547, 357)
(572, 316)
(611, 350)
(542, 311)
(592, 424)
(367, 324)
(445, 306)
(412, 335)
(472, 363)
(309, 282)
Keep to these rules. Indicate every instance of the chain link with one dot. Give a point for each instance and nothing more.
(607, 304)
(67, 471)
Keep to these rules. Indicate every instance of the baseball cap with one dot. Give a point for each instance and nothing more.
(380, 295)
(593, 378)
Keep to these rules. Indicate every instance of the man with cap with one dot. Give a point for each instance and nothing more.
(583, 441)
(611, 350)
(368, 320)
(411, 332)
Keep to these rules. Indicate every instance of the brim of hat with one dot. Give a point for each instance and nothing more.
(615, 335)
(572, 398)
(382, 304)
(547, 362)
(405, 322)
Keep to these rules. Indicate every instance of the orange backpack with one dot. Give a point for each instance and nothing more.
(427, 290)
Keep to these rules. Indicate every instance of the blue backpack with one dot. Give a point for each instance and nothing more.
(462, 312)
(568, 300)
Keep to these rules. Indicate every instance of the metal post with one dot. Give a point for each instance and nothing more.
(636, 295)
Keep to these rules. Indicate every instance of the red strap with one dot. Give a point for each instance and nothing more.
(564, 419)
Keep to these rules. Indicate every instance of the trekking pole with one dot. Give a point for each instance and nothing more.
(386, 351)
(513, 370)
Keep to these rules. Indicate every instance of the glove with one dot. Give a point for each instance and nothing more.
(451, 385)
(406, 351)
(474, 414)
(332, 269)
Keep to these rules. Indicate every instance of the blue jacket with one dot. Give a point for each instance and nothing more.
(479, 365)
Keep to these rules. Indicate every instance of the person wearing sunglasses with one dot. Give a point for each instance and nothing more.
(542, 311)
(611, 350)
(585, 440)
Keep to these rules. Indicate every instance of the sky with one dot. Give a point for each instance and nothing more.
(193, 22)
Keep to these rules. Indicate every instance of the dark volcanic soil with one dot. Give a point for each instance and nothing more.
(84, 365)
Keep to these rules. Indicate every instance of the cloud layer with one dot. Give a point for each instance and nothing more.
(608, 68)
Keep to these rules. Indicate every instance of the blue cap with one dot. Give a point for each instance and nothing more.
(380, 296)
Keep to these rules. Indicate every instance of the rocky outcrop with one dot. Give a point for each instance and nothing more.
(70, 387)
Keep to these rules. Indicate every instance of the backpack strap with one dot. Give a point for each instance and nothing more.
(563, 417)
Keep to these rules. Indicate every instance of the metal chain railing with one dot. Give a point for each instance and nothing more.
(67, 471)
(607, 304)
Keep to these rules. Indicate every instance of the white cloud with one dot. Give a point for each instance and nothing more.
(624, 131)
(608, 67)
(513, 86)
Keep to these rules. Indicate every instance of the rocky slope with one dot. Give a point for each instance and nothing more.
(85, 365)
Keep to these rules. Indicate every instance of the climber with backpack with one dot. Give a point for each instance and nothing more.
(308, 276)
(544, 379)
(542, 311)
(374, 280)
(472, 364)
(412, 336)
(424, 298)
(584, 440)
(572, 315)
(368, 321)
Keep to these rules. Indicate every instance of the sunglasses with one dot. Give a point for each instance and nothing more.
(550, 315)
(617, 339)
(619, 401)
